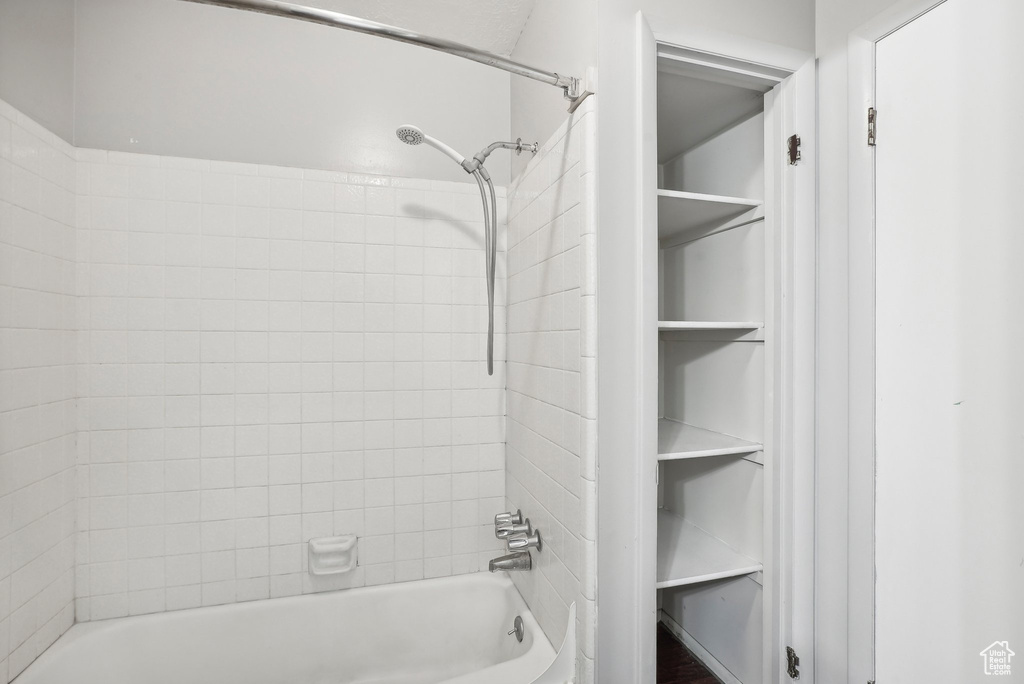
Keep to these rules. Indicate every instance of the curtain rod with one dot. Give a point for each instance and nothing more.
(570, 85)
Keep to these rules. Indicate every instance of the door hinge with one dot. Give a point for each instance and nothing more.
(793, 147)
(872, 117)
(792, 662)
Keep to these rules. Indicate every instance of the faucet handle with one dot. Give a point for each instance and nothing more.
(506, 518)
(523, 541)
(506, 530)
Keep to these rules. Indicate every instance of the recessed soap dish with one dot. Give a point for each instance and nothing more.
(332, 555)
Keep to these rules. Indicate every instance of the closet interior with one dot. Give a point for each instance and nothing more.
(715, 371)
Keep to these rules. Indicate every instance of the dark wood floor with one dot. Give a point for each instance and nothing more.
(676, 665)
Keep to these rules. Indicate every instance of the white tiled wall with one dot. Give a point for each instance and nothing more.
(37, 455)
(261, 355)
(551, 454)
(268, 355)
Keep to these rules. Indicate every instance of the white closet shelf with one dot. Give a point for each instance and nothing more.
(678, 440)
(679, 212)
(688, 554)
(709, 325)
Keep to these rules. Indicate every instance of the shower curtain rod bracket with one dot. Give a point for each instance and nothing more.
(575, 93)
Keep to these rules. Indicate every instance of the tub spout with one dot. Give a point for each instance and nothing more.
(520, 560)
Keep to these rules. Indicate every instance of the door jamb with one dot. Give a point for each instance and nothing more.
(861, 406)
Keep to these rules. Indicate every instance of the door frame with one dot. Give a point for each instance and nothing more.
(861, 406)
(791, 499)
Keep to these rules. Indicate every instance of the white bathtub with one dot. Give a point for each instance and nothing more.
(452, 630)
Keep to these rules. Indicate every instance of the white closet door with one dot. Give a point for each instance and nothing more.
(950, 344)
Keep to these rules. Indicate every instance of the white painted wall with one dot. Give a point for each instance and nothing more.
(560, 35)
(780, 33)
(207, 82)
(783, 23)
(37, 61)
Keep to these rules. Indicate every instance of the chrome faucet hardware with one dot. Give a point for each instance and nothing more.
(506, 530)
(518, 628)
(504, 518)
(518, 561)
(522, 541)
(520, 536)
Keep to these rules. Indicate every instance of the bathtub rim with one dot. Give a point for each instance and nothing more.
(502, 581)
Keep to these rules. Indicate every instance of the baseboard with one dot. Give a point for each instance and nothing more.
(709, 661)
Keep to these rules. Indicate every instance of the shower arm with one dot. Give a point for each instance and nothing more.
(571, 86)
(477, 162)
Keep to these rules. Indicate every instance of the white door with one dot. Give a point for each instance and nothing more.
(949, 402)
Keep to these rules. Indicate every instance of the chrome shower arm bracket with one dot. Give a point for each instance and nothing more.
(477, 162)
(533, 148)
(480, 157)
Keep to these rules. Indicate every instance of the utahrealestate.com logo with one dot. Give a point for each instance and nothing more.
(997, 658)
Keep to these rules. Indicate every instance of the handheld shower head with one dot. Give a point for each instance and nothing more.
(412, 135)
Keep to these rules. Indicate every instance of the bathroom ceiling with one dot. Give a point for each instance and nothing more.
(492, 25)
